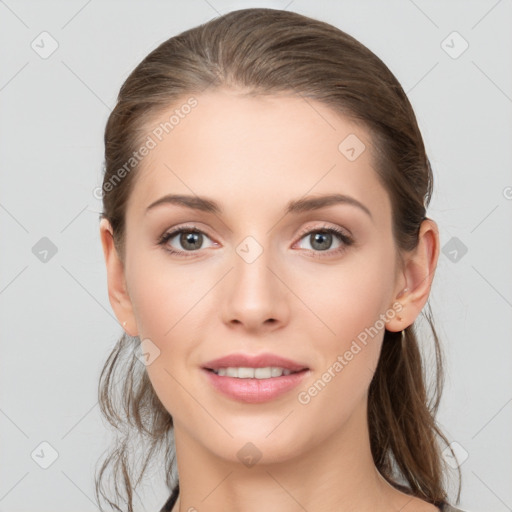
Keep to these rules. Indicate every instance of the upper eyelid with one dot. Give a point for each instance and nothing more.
(325, 227)
(192, 227)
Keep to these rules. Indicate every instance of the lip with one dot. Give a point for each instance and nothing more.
(254, 390)
(254, 361)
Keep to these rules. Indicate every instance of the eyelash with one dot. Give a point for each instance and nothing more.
(342, 236)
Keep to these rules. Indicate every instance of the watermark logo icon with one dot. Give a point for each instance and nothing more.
(44, 249)
(148, 352)
(44, 455)
(249, 249)
(44, 45)
(461, 455)
(454, 45)
(351, 147)
(249, 454)
(454, 249)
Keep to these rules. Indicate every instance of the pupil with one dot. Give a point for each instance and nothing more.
(323, 239)
(192, 239)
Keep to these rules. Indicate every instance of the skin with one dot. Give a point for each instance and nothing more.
(253, 156)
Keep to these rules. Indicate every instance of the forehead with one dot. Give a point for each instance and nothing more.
(241, 149)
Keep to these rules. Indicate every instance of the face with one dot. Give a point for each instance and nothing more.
(252, 277)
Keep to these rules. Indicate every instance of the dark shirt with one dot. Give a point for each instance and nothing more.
(172, 500)
(444, 507)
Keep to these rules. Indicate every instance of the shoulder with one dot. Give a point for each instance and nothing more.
(449, 508)
(421, 505)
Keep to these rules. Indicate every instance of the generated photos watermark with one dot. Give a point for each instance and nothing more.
(342, 360)
(152, 140)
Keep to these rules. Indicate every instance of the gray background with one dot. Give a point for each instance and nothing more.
(56, 322)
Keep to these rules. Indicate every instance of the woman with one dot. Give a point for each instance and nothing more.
(268, 254)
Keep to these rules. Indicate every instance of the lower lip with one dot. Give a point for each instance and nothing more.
(255, 390)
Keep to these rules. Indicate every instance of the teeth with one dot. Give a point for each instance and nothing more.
(252, 373)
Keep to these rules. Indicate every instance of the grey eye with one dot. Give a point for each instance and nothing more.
(191, 240)
(321, 241)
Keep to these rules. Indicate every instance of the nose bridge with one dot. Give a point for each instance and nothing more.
(254, 295)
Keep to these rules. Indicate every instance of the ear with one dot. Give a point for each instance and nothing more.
(117, 291)
(418, 273)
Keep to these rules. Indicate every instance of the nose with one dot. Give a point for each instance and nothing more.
(254, 297)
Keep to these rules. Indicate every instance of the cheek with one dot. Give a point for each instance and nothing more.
(170, 307)
(163, 301)
(347, 329)
(162, 294)
(349, 354)
(348, 299)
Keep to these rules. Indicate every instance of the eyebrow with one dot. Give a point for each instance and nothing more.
(298, 206)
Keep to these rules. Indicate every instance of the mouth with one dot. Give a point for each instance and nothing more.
(247, 372)
(254, 366)
(254, 385)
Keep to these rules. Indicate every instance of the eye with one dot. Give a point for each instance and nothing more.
(191, 239)
(321, 240)
(188, 237)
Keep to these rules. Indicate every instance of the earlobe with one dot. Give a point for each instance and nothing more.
(419, 269)
(117, 291)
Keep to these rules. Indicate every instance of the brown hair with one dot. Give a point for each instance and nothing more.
(267, 51)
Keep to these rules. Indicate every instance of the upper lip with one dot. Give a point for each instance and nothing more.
(254, 361)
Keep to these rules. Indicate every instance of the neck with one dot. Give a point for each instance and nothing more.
(337, 475)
